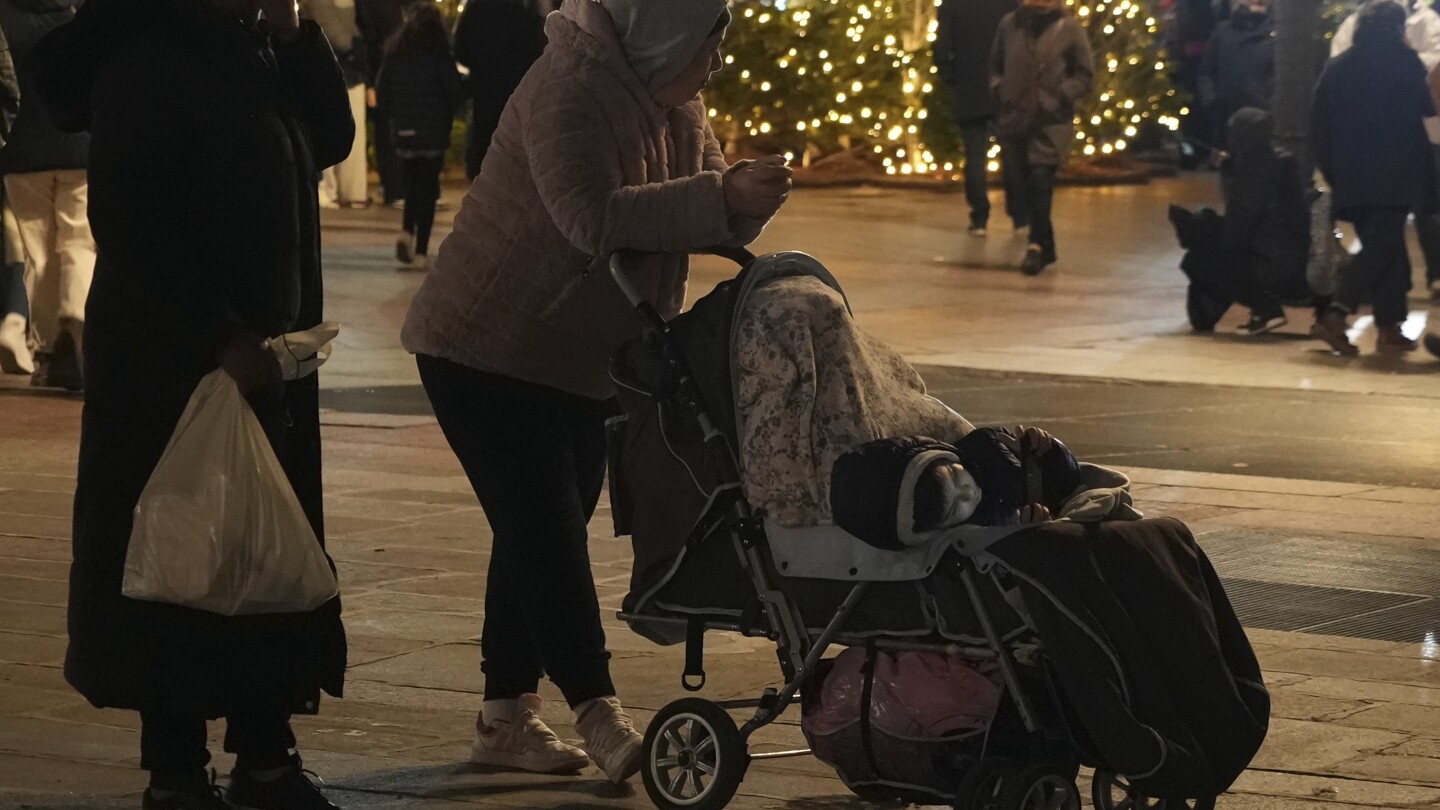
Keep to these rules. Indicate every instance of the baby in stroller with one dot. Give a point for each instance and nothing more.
(989, 477)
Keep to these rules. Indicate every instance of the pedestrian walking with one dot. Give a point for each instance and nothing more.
(1422, 33)
(209, 127)
(421, 89)
(15, 357)
(496, 41)
(345, 185)
(47, 189)
(1040, 66)
(606, 146)
(1368, 134)
(962, 55)
(1267, 222)
(1238, 68)
(379, 21)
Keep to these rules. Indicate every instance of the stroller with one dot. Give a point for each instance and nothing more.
(704, 560)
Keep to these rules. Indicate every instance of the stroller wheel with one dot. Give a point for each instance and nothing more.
(983, 785)
(1041, 787)
(694, 757)
(1111, 791)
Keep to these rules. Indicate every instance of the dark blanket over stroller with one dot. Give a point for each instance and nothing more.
(1162, 682)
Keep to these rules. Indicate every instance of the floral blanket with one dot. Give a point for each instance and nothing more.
(811, 386)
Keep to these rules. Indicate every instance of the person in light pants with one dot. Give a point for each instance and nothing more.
(47, 186)
(346, 184)
(50, 210)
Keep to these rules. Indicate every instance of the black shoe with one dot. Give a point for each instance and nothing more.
(202, 795)
(65, 364)
(1036, 260)
(1260, 324)
(1432, 344)
(293, 790)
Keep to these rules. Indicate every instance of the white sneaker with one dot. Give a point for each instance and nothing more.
(609, 738)
(15, 357)
(516, 738)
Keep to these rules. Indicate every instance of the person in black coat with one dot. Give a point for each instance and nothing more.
(962, 54)
(421, 89)
(1368, 135)
(1238, 68)
(209, 127)
(1267, 221)
(497, 41)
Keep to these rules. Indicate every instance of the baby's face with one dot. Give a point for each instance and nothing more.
(961, 494)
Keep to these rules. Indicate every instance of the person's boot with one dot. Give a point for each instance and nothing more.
(64, 371)
(1035, 261)
(405, 247)
(510, 734)
(1260, 324)
(1330, 327)
(609, 737)
(1390, 340)
(286, 787)
(15, 357)
(1432, 344)
(189, 792)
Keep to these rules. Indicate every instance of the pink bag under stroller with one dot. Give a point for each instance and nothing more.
(927, 720)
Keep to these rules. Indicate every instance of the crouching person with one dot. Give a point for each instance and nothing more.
(209, 122)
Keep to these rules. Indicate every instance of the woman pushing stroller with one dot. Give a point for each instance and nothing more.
(605, 146)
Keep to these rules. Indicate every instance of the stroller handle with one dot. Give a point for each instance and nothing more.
(739, 255)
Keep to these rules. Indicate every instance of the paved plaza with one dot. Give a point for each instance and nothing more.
(1313, 482)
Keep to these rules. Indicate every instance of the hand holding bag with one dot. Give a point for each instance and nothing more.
(218, 526)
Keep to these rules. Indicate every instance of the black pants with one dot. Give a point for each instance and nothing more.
(536, 459)
(975, 134)
(387, 162)
(1427, 231)
(1381, 272)
(421, 176)
(174, 747)
(12, 291)
(1033, 187)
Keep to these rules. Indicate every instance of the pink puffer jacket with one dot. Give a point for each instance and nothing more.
(584, 163)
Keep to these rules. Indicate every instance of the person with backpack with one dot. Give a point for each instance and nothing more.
(421, 89)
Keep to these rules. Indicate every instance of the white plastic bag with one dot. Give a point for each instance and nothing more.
(218, 527)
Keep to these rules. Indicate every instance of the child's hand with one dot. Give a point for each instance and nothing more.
(1027, 439)
(1031, 514)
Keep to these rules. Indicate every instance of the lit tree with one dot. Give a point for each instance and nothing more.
(813, 77)
(1132, 79)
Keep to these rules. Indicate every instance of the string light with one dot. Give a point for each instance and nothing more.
(810, 83)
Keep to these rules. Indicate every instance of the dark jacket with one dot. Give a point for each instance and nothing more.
(1267, 218)
(421, 94)
(379, 20)
(1040, 66)
(962, 53)
(1238, 69)
(207, 145)
(497, 41)
(35, 145)
(1368, 128)
(340, 21)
